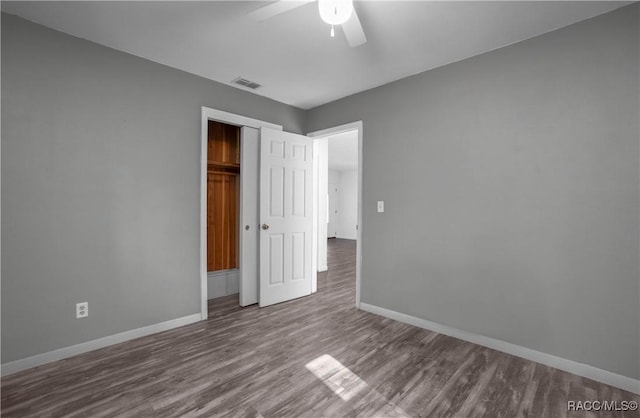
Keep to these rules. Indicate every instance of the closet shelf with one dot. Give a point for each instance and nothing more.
(223, 164)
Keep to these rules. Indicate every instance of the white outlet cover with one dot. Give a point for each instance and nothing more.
(82, 309)
(380, 206)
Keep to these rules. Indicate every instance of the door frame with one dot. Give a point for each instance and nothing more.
(208, 114)
(358, 125)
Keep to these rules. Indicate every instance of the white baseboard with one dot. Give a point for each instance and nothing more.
(323, 268)
(580, 369)
(66, 352)
(223, 283)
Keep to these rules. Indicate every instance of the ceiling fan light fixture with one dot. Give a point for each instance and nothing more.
(335, 12)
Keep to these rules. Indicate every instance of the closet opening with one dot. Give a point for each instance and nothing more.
(223, 208)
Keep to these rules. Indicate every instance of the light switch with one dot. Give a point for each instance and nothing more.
(380, 206)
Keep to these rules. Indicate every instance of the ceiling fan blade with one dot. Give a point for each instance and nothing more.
(276, 8)
(353, 31)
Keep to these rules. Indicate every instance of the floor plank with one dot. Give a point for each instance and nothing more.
(315, 356)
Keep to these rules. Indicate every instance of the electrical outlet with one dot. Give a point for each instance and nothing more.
(82, 309)
(380, 206)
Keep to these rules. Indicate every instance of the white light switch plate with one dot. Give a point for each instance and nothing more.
(380, 206)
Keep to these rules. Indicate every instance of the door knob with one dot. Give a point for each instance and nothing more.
(246, 227)
(265, 226)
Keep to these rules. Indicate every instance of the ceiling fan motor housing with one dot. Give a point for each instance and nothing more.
(335, 12)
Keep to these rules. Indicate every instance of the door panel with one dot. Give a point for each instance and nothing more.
(249, 215)
(297, 244)
(276, 259)
(285, 214)
(298, 198)
(276, 192)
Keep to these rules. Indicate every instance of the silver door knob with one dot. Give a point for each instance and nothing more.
(265, 226)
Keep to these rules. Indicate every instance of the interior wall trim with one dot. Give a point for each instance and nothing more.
(223, 283)
(66, 352)
(570, 366)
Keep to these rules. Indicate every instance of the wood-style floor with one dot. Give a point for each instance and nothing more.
(315, 356)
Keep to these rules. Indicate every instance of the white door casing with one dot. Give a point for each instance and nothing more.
(286, 171)
(321, 160)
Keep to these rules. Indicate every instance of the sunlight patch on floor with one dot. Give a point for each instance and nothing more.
(342, 381)
(346, 384)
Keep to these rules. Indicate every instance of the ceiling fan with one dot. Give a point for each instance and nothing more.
(333, 12)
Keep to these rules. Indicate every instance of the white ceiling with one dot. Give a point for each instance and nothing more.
(292, 55)
(343, 151)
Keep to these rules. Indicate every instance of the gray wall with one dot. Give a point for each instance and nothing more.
(100, 187)
(511, 188)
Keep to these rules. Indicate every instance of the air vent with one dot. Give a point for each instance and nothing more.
(246, 83)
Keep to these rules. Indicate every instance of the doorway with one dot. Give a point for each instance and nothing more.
(342, 221)
(246, 228)
(249, 221)
(338, 191)
(223, 212)
(275, 233)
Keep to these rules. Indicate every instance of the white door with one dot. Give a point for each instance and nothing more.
(249, 214)
(285, 215)
(332, 213)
